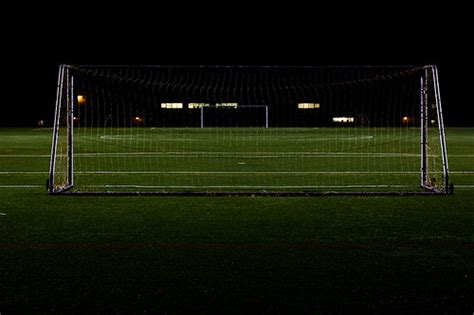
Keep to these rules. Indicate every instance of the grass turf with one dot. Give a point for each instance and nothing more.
(229, 253)
(247, 159)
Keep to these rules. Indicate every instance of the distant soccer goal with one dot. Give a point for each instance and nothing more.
(248, 130)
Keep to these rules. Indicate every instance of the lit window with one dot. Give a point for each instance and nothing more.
(308, 105)
(343, 119)
(226, 104)
(197, 105)
(172, 105)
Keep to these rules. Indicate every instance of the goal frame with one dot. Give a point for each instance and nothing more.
(65, 90)
(65, 84)
(432, 70)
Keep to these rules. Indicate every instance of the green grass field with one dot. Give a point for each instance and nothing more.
(246, 159)
(227, 254)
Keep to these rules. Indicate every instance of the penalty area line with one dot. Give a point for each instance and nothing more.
(21, 186)
(244, 186)
(462, 187)
(262, 154)
(228, 173)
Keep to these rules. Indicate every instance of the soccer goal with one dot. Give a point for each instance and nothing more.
(248, 130)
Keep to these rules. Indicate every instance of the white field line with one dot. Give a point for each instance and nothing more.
(247, 173)
(233, 172)
(22, 172)
(239, 154)
(217, 186)
(144, 137)
(463, 187)
(148, 139)
(219, 173)
(231, 186)
(21, 186)
(311, 139)
(249, 155)
(24, 155)
(244, 186)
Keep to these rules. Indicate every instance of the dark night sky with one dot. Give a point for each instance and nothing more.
(235, 35)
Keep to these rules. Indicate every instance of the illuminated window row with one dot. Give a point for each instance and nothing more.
(308, 105)
(199, 105)
(172, 105)
(195, 105)
(343, 119)
(81, 100)
(227, 105)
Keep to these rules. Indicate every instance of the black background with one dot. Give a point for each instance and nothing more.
(41, 38)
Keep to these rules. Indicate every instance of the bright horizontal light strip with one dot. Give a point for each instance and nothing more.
(343, 119)
(226, 104)
(197, 105)
(308, 105)
(172, 105)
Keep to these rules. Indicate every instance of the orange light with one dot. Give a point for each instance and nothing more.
(81, 99)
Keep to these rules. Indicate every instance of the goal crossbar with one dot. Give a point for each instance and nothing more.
(386, 116)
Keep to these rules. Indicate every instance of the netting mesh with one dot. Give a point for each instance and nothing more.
(255, 129)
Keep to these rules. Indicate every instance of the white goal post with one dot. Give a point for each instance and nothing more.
(272, 130)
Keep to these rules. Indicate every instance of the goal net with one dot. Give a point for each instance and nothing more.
(241, 129)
